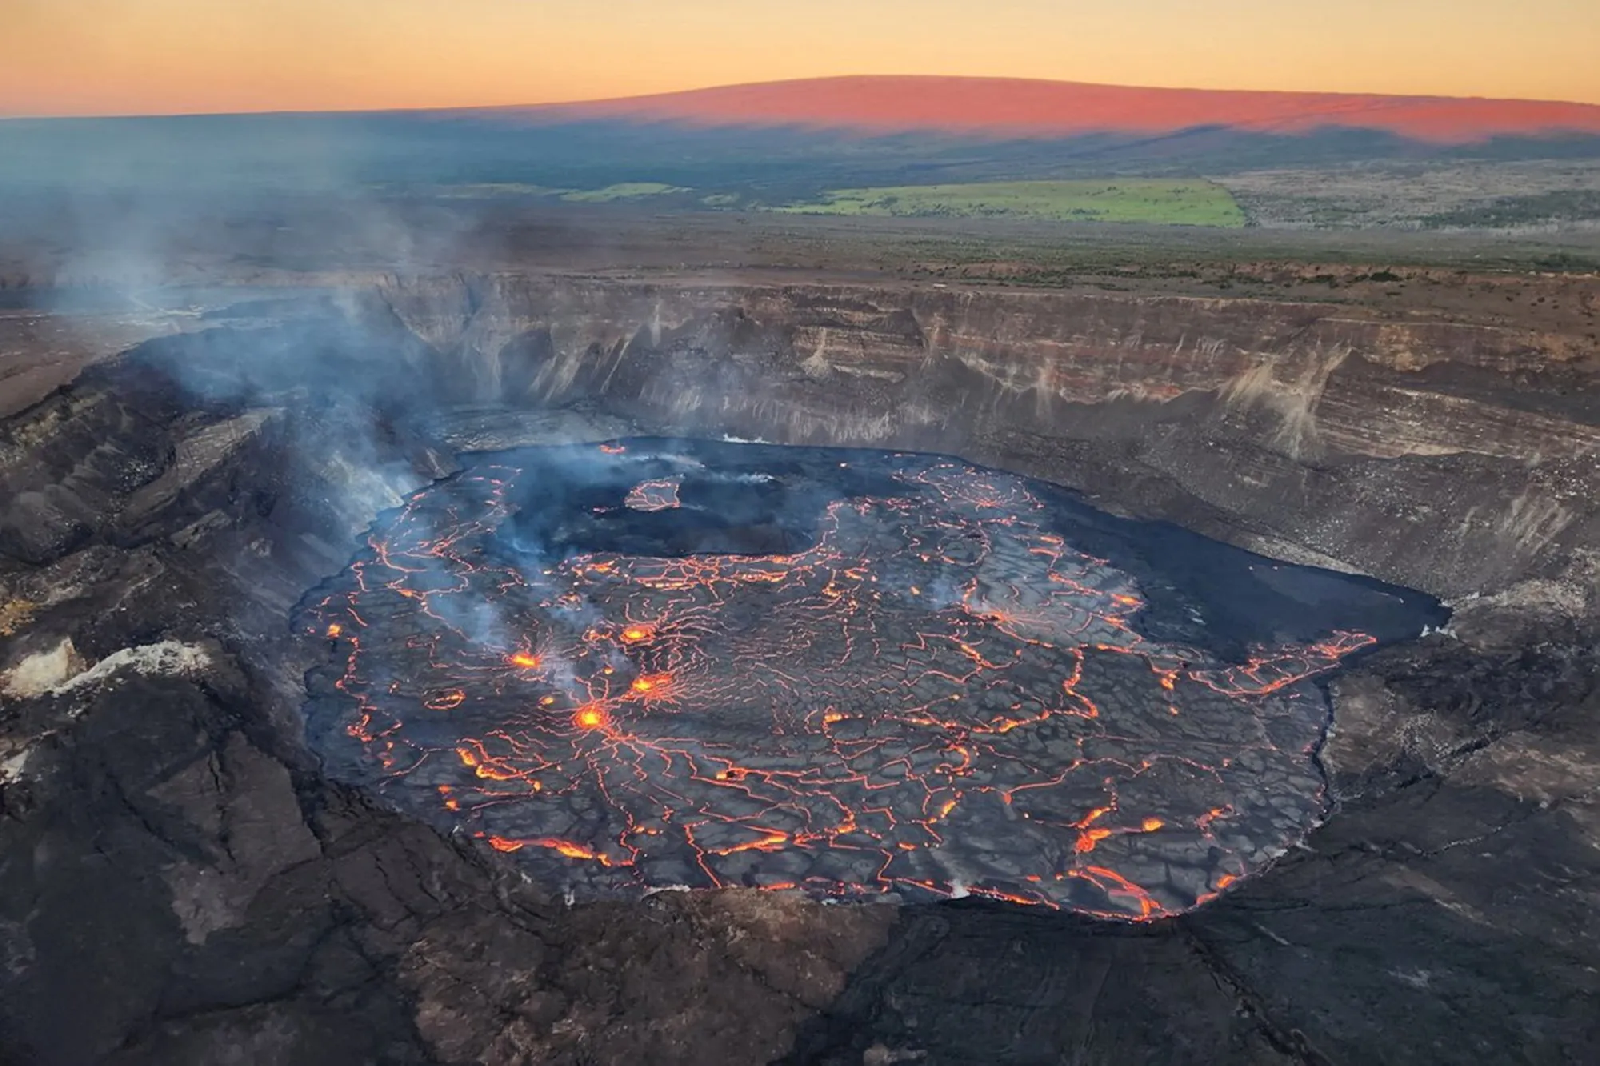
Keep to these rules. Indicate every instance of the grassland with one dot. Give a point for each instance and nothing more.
(1170, 202)
(1567, 205)
(624, 191)
(628, 190)
(484, 190)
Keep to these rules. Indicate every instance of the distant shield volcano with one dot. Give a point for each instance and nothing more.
(1011, 107)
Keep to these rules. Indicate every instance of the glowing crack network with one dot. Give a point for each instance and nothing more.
(930, 694)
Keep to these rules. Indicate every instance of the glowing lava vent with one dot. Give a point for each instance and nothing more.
(934, 694)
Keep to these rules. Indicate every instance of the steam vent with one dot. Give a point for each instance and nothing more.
(650, 664)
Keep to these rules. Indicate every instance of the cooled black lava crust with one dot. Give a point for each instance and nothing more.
(658, 663)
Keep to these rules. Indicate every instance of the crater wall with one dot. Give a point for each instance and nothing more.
(165, 831)
(1455, 458)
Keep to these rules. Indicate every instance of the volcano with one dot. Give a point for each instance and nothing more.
(208, 853)
(1012, 107)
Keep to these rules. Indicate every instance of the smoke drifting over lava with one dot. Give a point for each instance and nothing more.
(853, 674)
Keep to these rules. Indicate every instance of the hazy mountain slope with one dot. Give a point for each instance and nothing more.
(1012, 107)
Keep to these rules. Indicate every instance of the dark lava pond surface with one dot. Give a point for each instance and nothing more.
(649, 664)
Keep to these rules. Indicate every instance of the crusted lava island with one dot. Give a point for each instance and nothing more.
(649, 664)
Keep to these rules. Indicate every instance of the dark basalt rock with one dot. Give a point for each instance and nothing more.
(973, 982)
(180, 883)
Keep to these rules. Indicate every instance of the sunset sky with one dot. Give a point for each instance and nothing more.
(166, 56)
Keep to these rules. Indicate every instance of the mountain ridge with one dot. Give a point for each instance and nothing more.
(1011, 107)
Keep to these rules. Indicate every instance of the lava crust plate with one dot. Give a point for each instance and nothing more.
(650, 664)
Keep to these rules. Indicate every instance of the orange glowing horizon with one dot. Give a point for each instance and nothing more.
(217, 56)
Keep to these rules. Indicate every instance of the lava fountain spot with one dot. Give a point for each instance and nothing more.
(652, 664)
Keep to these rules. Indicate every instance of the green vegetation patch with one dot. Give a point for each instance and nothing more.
(483, 190)
(1172, 202)
(1575, 205)
(631, 190)
(628, 190)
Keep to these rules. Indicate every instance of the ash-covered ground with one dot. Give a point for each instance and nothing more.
(648, 664)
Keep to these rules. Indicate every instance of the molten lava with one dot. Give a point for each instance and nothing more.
(658, 495)
(938, 695)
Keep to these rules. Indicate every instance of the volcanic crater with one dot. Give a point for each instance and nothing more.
(195, 864)
(649, 664)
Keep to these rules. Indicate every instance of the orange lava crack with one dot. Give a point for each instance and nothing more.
(881, 720)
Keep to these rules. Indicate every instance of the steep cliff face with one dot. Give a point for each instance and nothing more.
(180, 883)
(1301, 430)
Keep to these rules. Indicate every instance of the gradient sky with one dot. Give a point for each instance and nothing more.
(164, 56)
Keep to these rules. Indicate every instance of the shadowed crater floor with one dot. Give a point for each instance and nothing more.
(656, 663)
